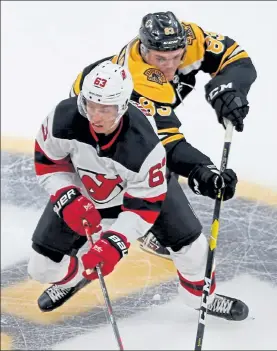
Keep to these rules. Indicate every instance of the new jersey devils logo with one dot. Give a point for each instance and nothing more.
(101, 187)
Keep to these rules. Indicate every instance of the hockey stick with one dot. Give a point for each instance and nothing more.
(213, 241)
(105, 292)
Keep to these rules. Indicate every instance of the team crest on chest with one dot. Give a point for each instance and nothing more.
(156, 76)
(102, 188)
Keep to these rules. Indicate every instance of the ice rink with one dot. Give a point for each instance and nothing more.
(43, 48)
(247, 268)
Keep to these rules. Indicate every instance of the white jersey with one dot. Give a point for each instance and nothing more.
(123, 173)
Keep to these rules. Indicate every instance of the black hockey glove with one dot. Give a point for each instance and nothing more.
(228, 102)
(205, 180)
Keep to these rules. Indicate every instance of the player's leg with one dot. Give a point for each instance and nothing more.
(151, 244)
(53, 259)
(178, 229)
(53, 249)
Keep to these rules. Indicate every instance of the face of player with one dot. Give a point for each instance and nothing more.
(102, 117)
(166, 61)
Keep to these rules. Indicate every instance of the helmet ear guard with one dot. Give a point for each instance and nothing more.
(162, 31)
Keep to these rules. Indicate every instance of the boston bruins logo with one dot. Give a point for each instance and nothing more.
(156, 76)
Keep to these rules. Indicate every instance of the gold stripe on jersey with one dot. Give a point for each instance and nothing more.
(148, 80)
(227, 53)
(76, 84)
(235, 58)
(121, 57)
(114, 59)
(224, 61)
(195, 48)
(172, 138)
(168, 130)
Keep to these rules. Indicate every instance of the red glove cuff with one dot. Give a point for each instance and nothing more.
(64, 197)
(107, 252)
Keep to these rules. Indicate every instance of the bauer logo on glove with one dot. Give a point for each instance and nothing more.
(64, 200)
(106, 252)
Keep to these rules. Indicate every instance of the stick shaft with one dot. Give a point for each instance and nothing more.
(105, 293)
(212, 242)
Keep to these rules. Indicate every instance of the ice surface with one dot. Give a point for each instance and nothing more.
(247, 268)
(17, 227)
(173, 327)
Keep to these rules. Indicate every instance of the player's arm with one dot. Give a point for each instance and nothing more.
(203, 176)
(53, 165)
(143, 199)
(77, 85)
(232, 73)
(167, 123)
(189, 162)
(182, 158)
(56, 174)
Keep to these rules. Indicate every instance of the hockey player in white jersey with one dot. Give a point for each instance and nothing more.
(100, 160)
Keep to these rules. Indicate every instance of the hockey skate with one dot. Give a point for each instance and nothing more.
(55, 296)
(228, 308)
(150, 244)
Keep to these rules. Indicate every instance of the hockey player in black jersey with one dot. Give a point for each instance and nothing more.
(100, 159)
(164, 60)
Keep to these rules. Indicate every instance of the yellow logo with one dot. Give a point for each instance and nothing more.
(214, 234)
(156, 76)
(169, 31)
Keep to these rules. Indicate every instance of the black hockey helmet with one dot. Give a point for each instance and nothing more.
(162, 31)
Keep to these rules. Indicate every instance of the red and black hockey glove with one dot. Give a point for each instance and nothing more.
(73, 207)
(107, 252)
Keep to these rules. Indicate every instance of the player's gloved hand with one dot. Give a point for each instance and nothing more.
(73, 207)
(205, 180)
(107, 251)
(228, 102)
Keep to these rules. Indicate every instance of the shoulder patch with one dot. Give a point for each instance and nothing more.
(154, 75)
(195, 49)
(189, 32)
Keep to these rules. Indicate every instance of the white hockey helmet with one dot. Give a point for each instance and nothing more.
(107, 84)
